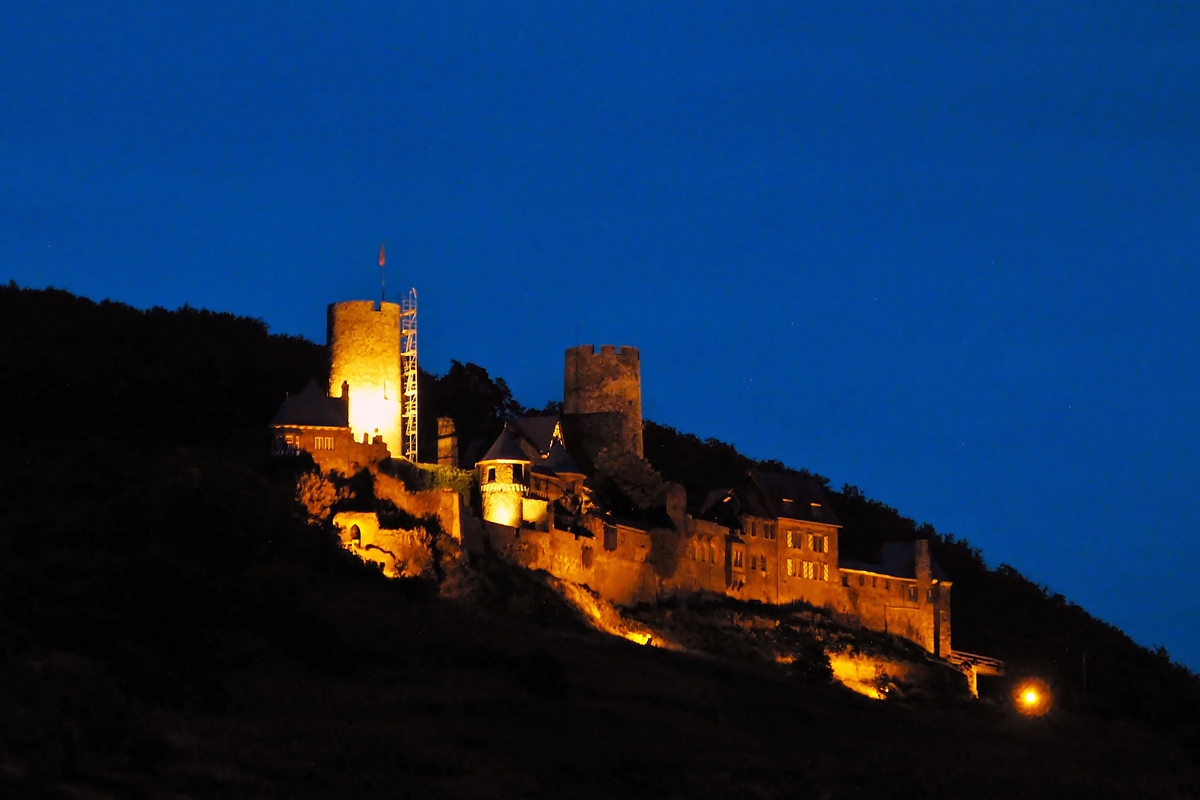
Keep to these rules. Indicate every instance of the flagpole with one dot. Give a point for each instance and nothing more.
(382, 278)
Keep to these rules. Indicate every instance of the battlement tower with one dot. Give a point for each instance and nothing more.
(364, 345)
(608, 385)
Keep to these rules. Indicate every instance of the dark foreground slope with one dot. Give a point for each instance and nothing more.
(171, 626)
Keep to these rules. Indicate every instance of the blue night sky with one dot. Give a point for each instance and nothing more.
(948, 255)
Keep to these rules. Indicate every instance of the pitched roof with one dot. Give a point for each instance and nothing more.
(313, 407)
(791, 496)
(899, 560)
(506, 447)
(537, 440)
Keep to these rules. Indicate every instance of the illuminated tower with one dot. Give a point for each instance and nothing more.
(364, 345)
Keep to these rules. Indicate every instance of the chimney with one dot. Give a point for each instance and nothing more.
(924, 571)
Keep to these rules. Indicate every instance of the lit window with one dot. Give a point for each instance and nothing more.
(789, 568)
(818, 543)
(737, 558)
(824, 572)
(790, 534)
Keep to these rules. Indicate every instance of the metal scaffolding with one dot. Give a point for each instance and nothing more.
(408, 374)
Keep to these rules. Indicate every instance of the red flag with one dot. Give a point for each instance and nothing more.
(381, 255)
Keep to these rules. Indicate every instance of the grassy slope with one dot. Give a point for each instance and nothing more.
(169, 624)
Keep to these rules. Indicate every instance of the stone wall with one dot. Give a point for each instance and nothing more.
(606, 383)
(443, 504)
(364, 344)
(899, 606)
(621, 575)
(399, 553)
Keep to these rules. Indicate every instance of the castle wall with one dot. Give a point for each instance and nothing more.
(606, 383)
(622, 575)
(444, 504)
(399, 553)
(900, 606)
(364, 344)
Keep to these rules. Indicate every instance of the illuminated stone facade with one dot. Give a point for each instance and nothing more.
(773, 539)
(364, 349)
(314, 423)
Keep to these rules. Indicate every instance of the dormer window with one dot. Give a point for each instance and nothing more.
(491, 475)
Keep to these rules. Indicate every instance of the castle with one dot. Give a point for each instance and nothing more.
(772, 538)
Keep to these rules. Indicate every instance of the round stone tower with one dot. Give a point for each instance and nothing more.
(608, 385)
(364, 344)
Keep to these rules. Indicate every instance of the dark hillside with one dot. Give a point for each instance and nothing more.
(172, 626)
(998, 612)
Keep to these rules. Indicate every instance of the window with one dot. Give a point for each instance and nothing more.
(818, 543)
(762, 564)
(491, 475)
(322, 442)
(737, 558)
(788, 538)
(845, 579)
(753, 562)
(872, 581)
(808, 569)
(712, 553)
(610, 537)
(753, 528)
(862, 580)
(912, 593)
(789, 568)
(887, 584)
(769, 530)
(355, 534)
(824, 572)
(929, 595)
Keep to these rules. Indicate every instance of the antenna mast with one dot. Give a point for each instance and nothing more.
(409, 375)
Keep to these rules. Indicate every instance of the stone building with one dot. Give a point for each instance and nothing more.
(526, 471)
(317, 424)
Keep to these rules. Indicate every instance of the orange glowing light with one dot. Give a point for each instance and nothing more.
(1032, 698)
